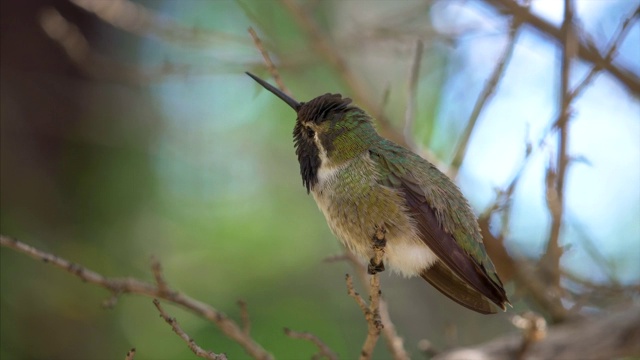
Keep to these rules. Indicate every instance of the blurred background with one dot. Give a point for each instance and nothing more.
(129, 130)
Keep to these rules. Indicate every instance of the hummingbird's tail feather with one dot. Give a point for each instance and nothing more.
(443, 279)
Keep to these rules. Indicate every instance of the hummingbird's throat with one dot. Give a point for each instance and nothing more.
(322, 152)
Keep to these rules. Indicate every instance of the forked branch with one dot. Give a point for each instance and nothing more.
(161, 290)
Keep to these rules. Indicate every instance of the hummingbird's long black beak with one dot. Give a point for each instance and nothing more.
(284, 97)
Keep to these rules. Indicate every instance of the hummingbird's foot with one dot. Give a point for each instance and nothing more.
(376, 264)
(374, 268)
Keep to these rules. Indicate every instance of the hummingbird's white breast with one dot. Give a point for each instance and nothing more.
(354, 203)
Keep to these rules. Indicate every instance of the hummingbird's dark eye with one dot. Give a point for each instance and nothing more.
(310, 133)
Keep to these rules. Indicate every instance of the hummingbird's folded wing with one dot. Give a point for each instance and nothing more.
(460, 262)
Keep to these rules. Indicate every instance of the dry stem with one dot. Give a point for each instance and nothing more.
(68, 36)
(371, 311)
(586, 50)
(485, 96)
(130, 285)
(130, 354)
(323, 349)
(200, 352)
(323, 47)
(556, 178)
(409, 115)
(142, 21)
(244, 315)
(395, 343)
(508, 265)
(614, 44)
(267, 59)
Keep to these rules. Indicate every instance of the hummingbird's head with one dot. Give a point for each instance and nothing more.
(328, 131)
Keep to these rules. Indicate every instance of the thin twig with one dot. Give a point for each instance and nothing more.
(355, 295)
(321, 45)
(582, 85)
(534, 329)
(244, 315)
(522, 271)
(267, 59)
(323, 349)
(485, 96)
(140, 20)
(131, 354)
(611, 334)
(384, 123)
(557, 177)
(586, 50)
(427, 349)
(374, 324)
(550, 303)
(609, 289)
(394, 342)
(614, 44)
(156, 269)
(134, 286)
(200, 352)
(69, 37)
(383, 104)
(409, 115)
(336, 258)
(607, 265)
(371, 311)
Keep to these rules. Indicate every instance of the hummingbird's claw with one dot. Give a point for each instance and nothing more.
(376, 264)
(379, 238)
(374, 268)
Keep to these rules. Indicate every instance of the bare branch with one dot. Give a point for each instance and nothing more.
(522, 272)
(321, 45)
(156, 269)
(190, 342)
(267, 59)
(593, 251)
(131, 354)
(323, 349)
(372, 311)
(395, 343)
(615, 42)
(504, 195)
(409, 115)
(68, 36)
(244, 315)
(556, 177)
(608, 336)
(586, 50)
(374, 323)
(485, 96)
(534, 329)
(336, 258)
(549, 301)
(140, 20)
(135, 286)
(371, 314)
(355, 295)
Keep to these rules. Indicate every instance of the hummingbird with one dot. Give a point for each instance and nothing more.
(366, 185)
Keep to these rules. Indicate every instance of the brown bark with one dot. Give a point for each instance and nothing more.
(616, 334)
